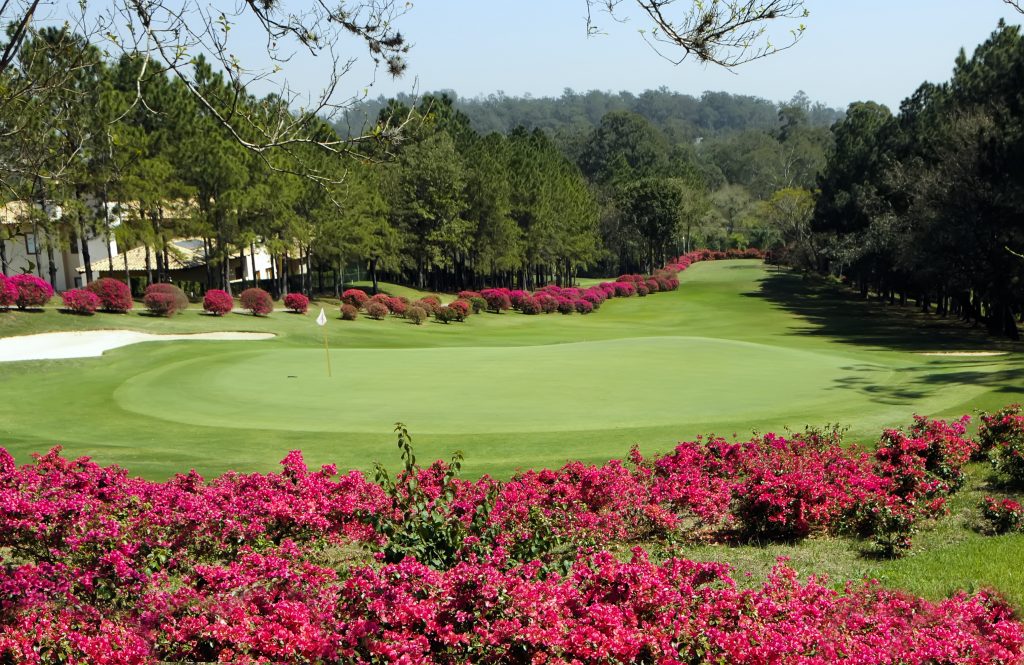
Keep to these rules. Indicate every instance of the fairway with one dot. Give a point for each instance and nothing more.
(736, 348)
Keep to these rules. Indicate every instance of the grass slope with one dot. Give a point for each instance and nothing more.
(736, 348)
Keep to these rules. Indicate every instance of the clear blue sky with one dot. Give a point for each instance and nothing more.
(853, 50)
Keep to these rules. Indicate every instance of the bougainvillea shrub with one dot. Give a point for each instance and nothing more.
(80, 301)
(428, 305)
(377, 310)
(100, 567)
(114, 294)
(296, 302)
(218, 302)
(1003, 516)
(257, 301)
(416, 314)
(355, 297)
(33, 291)
(1002, 435)
(165, 299)
(497, 300)
(460, 309)
(8, 292)
(349, 312)
(398, 306)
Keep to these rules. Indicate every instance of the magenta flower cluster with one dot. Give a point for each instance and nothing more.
(80, 301)
(99, 567)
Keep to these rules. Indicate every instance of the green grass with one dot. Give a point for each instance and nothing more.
(737, 348)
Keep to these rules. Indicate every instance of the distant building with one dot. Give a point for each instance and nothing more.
(26, 247)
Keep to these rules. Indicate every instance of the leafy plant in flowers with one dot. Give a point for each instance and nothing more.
(80, 301)
(355, 297)
(1003, 516)
(377, 310)
(8, 292)
(349, 312)
(257, 301)
(115, 295)
(32, 291)
(1002, 434)
(218, 302)
(430, 519)
(165, 299)
(296, 302)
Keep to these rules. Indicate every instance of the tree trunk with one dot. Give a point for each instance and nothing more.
(206, 260)
(241, 262)
(373, 273)
(252, 260)
(149, 266)
(3, 257)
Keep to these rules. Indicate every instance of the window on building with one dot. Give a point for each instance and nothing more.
(78, 282)
(238, 272)
(30, 243)
(73, 240)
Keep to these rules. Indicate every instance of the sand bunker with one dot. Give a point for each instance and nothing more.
(964, 354)
(90, 343)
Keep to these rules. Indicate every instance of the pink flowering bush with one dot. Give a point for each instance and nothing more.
(114, 294)
(1005, 516)
(397, 306)
(101, 567)
(80, 301)
(497, 299)
(1002, 435)
(377, 310)
(460, 309)
(349, 312)
(296, 302)
(8, 292)
(355, 297)
(257, 301)
(218, 302)
(165, 299)
(32, 291)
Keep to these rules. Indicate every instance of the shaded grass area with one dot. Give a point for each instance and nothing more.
(950, 554)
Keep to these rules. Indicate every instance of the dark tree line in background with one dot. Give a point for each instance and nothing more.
(657, 173)
(928, 204)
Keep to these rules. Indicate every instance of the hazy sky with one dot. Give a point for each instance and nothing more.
(852, 50)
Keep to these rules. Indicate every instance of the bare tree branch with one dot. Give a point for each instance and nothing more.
(727, 33)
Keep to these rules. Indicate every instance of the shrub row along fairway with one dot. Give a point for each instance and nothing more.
(737, 346)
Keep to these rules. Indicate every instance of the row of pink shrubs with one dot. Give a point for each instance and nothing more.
(100, 567)
(545, 300)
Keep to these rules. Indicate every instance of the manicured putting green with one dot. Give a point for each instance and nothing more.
(586, 385)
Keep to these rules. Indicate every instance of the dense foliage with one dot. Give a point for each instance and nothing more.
(80, 301)
(101, 567)
(8, 292)
(218, 302)
(257, 301)
(296, 302)
(32, 291)
(165, 299)
(927, 204)
(115, 295)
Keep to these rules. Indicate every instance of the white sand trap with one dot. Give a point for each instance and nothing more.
(91, 343)
(964, 354)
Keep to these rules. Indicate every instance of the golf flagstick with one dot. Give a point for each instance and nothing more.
(322, 322)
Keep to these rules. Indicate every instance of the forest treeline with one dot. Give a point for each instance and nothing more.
(927, 204)
(126, 151)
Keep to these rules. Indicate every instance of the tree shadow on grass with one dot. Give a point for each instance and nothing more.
(832, 311)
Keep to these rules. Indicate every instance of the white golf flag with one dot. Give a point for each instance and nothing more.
(322, 319)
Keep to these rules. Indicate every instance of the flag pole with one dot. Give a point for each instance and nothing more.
(322, 322)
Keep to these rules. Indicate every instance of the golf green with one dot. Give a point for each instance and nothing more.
(737, 348)
(585, 385)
